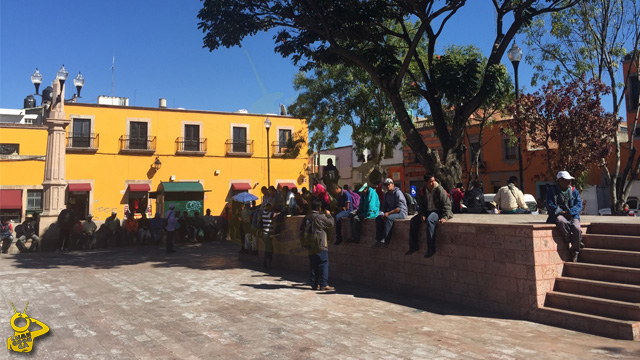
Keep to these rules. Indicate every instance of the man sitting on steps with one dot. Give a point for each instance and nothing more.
(564, 206)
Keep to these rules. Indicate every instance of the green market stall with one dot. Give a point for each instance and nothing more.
(184, 195)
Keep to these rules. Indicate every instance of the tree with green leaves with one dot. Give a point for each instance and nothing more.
(334, 96)
(374, 36)
(592, 39)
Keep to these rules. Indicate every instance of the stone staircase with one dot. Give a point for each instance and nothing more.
(600, 294)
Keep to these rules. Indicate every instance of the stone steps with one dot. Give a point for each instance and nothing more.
(600, 294)
(599, 272)
(612, 242)
(610, 257)
(614, 309)
(614, 229)
(600, 289)
(593, 324)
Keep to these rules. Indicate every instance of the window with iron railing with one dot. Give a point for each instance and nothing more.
(194, 145)
(89, 141)
(239, 146)
(137, 143)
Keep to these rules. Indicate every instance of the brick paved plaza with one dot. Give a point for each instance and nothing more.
(203, 303)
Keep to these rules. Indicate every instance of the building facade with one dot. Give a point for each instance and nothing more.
(121, 158)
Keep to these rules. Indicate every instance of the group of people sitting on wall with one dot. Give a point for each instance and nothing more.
(432, 205)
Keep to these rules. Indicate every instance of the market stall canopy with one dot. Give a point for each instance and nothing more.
(178, 187)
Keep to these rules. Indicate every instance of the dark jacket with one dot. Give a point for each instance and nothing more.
(554, 199)
(321, 225)
(440, 200)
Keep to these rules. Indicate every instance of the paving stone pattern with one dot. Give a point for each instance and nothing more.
(203, 303)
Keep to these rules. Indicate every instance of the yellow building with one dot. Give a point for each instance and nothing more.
(112, 152)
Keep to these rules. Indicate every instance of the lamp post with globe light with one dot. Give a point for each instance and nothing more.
(267, 125)
(515, 55)
(54, 184)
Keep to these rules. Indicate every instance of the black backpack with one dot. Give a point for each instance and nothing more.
(412, 204)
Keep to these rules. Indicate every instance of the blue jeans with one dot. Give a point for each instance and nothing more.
(384, 227)
(319, 269)
(341, 215)
(432, 223)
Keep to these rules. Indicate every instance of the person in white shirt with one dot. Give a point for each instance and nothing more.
(510, 199)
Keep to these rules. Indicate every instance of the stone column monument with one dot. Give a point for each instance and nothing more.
(54, 184)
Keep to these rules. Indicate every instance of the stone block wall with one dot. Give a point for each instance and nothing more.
(504, 268)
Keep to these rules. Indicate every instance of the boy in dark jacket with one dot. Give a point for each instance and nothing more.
(320, 226)
(435, 208)
(564, 206)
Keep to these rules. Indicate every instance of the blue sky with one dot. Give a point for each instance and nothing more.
(158, 54)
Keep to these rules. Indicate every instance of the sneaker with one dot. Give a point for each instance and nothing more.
(384, 244)
(327, 288)
(377, 244)
(314, 288)
(429, 253)
(410, 252)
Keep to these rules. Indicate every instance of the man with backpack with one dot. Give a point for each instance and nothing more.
(394, 207)
(564, 206)
(344, 208)
(435, 208)
(314, 232)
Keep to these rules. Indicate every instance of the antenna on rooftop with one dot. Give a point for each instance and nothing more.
(113, 69)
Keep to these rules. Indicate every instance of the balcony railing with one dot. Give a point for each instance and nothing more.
(239, 147)
(191, 145)
(279, 148)
(145, 145)
(81, 143)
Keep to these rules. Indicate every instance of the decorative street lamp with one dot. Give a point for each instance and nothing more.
(61, 76)
(267, 125)
(157, 164)
(515, 55)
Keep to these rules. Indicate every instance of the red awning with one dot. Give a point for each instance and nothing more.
(240, 186)
(80, 187)
(139, 187)
(289, 185)
(11, 199)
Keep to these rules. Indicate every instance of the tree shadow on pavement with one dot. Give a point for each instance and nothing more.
(207, 256)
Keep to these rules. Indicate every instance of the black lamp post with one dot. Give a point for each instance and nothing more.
(515, 55)
(267, 125)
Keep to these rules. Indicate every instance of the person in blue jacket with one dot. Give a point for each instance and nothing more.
(369, 209)
(564, 206)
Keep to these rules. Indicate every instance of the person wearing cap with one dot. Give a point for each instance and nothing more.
(171, 221)
(89, 233)
(368, 209)
(394, 207)
(28, 232)
(510, 199)
(564, 206)
(435, 209)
